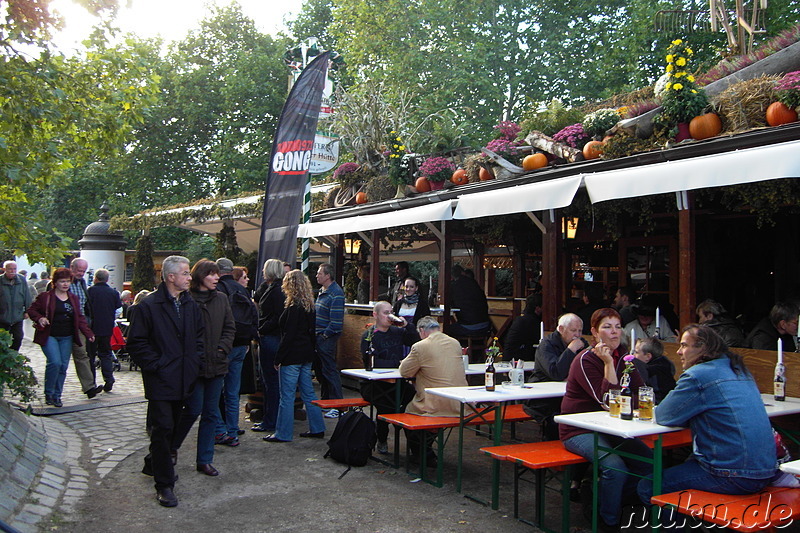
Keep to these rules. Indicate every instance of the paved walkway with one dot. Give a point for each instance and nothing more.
(78, 469)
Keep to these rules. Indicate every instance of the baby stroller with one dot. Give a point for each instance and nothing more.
(118, 348)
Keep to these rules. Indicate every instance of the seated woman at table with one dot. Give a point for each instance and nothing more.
(383, 346)
(592, 373)
(716, 396)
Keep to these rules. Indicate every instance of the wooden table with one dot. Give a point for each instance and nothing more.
(473, 397)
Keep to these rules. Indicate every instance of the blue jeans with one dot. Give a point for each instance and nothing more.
(330, 383)
(57, 351)
(269, 379)
(291, 377)
(690, 475)
(615, 481)
(204, 402)
(230, 392)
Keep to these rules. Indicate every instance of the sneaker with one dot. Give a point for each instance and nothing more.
(332, 413)
(383, 448)
(231, 441)
(220, 439)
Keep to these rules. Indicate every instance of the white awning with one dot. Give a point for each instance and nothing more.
(401, 217)
(749, 165)
(550, 194)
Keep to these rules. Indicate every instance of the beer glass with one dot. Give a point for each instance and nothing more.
(611, 400)
(646, 403)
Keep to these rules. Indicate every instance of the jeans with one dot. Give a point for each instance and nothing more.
(330, 383)
(690, 475)
(17, 333)
(291, 377)
(203, 402)
(615, 480)
(230, 392)
(57, 351)
(269, 379)
(106, 358)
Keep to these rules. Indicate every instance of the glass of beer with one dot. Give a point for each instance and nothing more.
(612, 402)
(646, 403)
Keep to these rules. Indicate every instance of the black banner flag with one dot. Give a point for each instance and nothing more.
(289, 164)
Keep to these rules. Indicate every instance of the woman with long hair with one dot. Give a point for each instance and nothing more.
(592, 373)
(733, 445)
(218, 333)
(294, 357)
(270, 300)
(57, 317)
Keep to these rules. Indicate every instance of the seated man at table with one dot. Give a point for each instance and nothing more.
(780, 324)
(382, 346)
(435, 361)
(717, 398)
(553, 359)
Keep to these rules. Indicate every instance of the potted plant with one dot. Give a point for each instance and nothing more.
(597, 123)
(787, 92)
(437, 170)
(398, 163)
(682, 100)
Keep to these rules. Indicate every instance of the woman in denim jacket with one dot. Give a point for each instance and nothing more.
(734, 449)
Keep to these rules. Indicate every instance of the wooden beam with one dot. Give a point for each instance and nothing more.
(436, 231)
(553, 274)
(687, 262)
(536, 221)
(445, 263)
(375, 265)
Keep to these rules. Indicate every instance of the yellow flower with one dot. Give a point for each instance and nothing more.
(681, 61)
(670, 68)
(402, 147)
(669, 86)
(676, 42)
(690, 78)
(694, 91)
(398, 139)
(670, 58)
(677, 86)
(689, 52)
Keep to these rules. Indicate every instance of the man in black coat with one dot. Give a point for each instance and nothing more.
(165, 339)
(473, 309)
(524, 332)
(103, 303)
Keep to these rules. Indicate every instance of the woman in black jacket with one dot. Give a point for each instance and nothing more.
(295, 354)
(218, 334)
(412, 306)
(270, 306)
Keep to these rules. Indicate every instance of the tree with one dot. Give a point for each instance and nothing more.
(57, 113)
(144, 275)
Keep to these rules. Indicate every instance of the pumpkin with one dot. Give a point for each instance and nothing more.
(534, 161)
(485, 175)
(361, 197)
(422, 184)
(705, 126)
(779, 113)
(593, 149)
(460, 177)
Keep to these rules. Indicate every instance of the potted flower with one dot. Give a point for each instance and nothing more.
(398, 163)
(682, 100)
(787, 92)
(573, 136)
(437, 170)
(597, 123)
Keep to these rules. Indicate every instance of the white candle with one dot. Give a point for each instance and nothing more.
(389, 289)
(780, 351)
(430, 283)
(633, 339)
(658, 317)
(541, 331)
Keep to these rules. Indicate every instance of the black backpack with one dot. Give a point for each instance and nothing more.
(353, 439)
(245, 312)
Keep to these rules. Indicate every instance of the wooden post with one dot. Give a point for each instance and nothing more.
(553, 272)
(338, 260)
(375, 265)
(687, 264)
(445, 263)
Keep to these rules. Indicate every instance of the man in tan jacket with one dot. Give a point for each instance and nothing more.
(435, 361)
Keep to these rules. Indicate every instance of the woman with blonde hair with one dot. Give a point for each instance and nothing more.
(294, 357)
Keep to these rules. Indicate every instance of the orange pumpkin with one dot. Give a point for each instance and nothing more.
(485, 175)
(534, 161)
(705, 126)
(460, 177)
(779, 113)
(361, 197)
(593, 149)
(422, 185)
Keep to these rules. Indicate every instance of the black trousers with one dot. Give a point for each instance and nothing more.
(163, 415)
(16, 334)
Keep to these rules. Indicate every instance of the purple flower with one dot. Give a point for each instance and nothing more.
(344, 169)
(573, 135)
(628, 358)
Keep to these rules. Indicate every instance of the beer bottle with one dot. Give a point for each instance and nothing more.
(489, 376)
(625, 399)
(780, 382)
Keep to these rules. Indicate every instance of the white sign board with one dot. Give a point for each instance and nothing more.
(325, 154)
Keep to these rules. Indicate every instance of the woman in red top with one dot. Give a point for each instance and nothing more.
(57, 317)
(592, 373)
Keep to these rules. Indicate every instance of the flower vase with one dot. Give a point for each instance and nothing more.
(683, 132)
(436, 185)
(401, 191)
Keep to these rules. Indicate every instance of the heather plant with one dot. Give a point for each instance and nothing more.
(437, 168)
(573, 135)
(788, 89)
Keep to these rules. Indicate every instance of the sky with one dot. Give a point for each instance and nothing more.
(172, 19)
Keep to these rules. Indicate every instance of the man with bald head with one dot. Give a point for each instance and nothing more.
(80, 352)
(553, 359)
(15, 298)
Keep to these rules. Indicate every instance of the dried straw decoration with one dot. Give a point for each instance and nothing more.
(743, 106)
